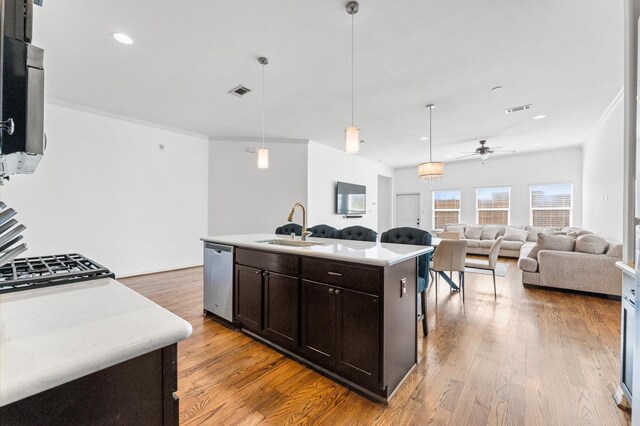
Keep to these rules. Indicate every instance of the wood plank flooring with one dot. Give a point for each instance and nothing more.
(531, 357)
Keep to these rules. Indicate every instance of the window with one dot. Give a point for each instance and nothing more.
(493, 205)
(446, 207)
(551, 205)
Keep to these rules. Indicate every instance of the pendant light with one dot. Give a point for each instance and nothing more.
(432, 170)
(263, 153)
(352, 133)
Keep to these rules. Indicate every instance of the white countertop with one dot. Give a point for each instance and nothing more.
(370, 253)
(53, 335)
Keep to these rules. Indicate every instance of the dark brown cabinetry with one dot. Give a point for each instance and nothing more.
(281, 309)
(248, 297)
(331, 314)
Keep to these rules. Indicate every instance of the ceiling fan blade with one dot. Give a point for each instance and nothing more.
(506, 150)
(498, 148)
(467, 156)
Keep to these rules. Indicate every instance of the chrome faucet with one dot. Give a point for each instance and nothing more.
(305, 233)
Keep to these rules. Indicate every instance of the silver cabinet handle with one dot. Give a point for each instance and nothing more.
(330, 290)
(335, 274)
(8, 126)
(337, 291)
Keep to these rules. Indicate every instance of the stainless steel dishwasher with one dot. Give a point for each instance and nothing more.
(218, 280)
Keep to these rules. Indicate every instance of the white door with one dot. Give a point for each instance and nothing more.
(408, 210)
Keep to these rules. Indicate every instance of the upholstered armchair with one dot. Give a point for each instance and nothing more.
(289, 228)
(357, 233)
(323, 231)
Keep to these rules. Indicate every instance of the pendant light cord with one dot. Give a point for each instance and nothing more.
(352, 69)
(430, 138)
(263, 65)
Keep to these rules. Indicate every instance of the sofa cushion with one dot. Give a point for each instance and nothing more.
(486, 243)
(592, 244)
(490, 232)
(513, 234)
(615, 250)
(473, 232)
(473, 243)
(528, 264)
(534, 231)
(511, 245)
(580, 233)
(552, 242)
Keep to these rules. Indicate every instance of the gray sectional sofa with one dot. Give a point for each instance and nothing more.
(568, 258)
(481, 237)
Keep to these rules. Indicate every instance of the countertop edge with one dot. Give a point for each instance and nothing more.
(329, 256)
(17, 390)
(626, 268)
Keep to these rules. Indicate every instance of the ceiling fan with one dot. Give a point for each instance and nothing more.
(485, 152)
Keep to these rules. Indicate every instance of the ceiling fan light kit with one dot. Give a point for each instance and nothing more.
(430, 171)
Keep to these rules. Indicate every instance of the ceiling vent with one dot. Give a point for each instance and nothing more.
(239, 91)
(517, 109)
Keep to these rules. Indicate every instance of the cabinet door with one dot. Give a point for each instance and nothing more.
(281, 309)
(358, 337)
(248, 297)
(318, 334)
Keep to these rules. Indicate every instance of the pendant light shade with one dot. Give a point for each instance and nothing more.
(263, 158)
(352, 140)
(430, 171)
(263, 153)
(352, 133)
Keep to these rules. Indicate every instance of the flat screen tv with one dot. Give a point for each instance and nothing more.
(351, 199)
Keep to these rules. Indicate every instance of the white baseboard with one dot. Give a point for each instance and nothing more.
(156, 271)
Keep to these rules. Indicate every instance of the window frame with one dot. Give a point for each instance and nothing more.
(531, 209)
(508, 209)
(433, 205)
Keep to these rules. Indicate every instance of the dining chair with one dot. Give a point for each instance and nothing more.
(323, 231)
(418, 237)
(357, 233)
(450, 256)
(288, 229)
(488, 265)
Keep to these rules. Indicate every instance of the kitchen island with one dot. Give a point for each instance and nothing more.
(345, 308)
(92, 352)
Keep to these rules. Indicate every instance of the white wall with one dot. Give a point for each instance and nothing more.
(328, 166)
(245, 199)
(603, 174)
(104, 189)
(517, 171)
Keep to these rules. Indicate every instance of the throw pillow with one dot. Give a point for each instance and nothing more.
(534, 231)
(552, 242)
(513, 234)
(592, 244)
(490, 233)
(473, 232)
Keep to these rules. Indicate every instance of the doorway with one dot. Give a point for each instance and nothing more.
(408, 210)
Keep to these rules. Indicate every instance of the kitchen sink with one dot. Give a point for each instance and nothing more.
(290, 243)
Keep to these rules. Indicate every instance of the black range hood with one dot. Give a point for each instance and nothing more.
(22, 139)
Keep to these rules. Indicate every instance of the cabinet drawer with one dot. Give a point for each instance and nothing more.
(282, 263)
(345, 275)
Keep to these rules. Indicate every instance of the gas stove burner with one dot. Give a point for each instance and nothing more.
(44, 271)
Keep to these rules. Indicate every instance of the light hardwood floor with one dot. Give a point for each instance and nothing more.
(530, 357)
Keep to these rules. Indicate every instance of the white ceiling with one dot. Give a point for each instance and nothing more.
(564, 57)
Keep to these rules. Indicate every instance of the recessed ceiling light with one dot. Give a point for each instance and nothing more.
(448, 156)
(123, 38)
(537, 144)
(539, 117)
(424, 138)
(495, 89)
